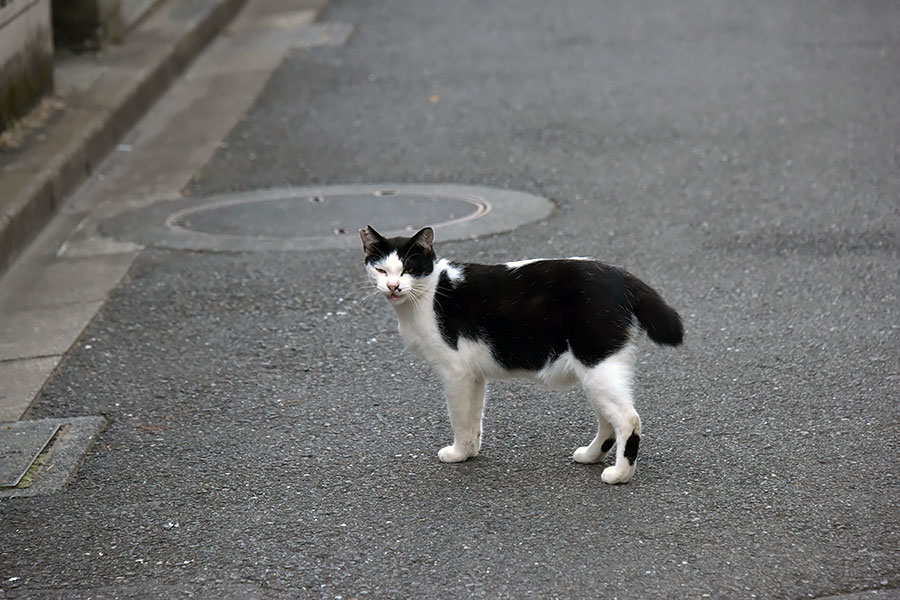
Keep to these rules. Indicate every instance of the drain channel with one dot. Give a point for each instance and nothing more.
(20, 445)
(52, 449)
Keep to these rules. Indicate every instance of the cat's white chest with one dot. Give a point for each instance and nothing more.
(420, 334)
(412, 336)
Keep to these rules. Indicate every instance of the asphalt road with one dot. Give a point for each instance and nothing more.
(269, 436)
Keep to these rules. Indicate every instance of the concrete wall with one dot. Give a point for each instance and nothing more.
(26, 56)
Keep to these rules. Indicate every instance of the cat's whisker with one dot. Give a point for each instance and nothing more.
(360, 291)
(417, 299)
(412, 298)
(365, 284)
(363, 294)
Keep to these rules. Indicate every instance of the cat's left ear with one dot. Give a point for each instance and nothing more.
(370, 238)
(424, 238)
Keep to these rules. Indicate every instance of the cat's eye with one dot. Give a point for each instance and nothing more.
(380, 270)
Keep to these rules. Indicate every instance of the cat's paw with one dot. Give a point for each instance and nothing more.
(587, 455)
(452, 454)
(614, 474)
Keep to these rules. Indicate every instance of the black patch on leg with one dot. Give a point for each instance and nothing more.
(608, 444)
(631, 447)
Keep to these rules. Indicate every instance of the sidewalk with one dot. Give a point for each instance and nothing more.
(98, 97)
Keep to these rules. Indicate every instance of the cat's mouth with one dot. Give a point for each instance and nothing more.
(395, 297)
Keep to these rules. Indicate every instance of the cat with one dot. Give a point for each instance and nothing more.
(561, 322)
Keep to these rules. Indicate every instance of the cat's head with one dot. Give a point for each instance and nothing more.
(397, 266)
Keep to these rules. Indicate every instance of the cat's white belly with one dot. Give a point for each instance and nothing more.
(561, 374)
(476, 358)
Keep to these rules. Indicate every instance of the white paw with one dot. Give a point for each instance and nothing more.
(615, 474)
(452, 454)
(586, 455)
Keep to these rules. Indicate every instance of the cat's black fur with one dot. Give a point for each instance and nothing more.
(531, 314)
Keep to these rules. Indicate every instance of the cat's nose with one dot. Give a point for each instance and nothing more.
(393, 287)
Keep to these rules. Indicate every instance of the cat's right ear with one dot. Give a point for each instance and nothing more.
(370, 238)
(424, 238)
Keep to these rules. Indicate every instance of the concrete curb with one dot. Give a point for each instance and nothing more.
(125, 81)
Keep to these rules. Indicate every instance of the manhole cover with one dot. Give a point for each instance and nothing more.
(323, 215)
(303, 218)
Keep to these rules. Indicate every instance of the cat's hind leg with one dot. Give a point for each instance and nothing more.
(608, 387)
(599, 446)
(465, 403)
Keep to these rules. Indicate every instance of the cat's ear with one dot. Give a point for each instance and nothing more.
(424, 238)
(370, 238)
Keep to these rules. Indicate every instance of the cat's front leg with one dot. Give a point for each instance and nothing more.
(465, 403)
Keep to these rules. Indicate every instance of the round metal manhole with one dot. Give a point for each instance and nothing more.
(324, 215)
(303, 218)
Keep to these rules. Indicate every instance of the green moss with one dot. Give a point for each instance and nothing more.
(28, 478)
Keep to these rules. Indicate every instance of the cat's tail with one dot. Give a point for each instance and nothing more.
(661, 322)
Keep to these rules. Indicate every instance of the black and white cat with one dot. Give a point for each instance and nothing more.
(558, 321)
